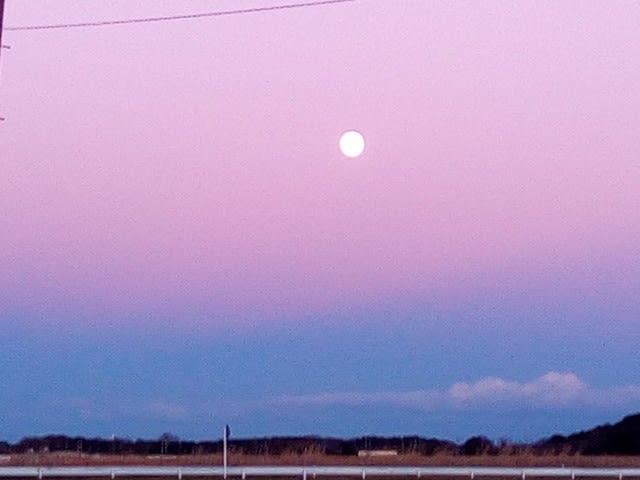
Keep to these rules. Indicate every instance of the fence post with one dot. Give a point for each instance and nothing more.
(179, 474)
(364, 474)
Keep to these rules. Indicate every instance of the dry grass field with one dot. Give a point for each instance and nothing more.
(519, 460)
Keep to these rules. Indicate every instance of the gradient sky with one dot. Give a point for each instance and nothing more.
(182, 245)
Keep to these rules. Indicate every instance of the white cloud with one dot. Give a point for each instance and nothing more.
(357, 399)
(552, 390)
(87, 408)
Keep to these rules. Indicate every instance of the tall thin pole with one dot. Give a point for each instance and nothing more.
(1, 17)
(224, 449)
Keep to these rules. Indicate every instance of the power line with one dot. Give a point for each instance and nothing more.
(220, 13)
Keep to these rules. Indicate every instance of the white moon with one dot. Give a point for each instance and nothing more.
(352, 144)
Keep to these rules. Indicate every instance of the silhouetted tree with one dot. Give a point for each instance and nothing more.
(478, 446)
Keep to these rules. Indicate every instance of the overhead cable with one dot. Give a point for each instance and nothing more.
(219, 13)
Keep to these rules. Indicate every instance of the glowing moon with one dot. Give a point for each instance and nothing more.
(352, 144)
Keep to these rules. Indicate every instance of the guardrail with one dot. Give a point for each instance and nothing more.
(307, 472)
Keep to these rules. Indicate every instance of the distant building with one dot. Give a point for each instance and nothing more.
(377, 453)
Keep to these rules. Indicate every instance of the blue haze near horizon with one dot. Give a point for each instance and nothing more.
(140, 385)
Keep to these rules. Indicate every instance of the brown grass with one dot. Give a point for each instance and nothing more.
(441, 460)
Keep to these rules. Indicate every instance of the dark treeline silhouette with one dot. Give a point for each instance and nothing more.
(171, 445)
(622, 438)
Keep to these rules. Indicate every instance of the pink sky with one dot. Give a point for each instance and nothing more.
(180, 234)
(192, 167)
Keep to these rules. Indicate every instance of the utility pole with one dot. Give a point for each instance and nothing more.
(1, 16)
(225, 438)
(1, 47)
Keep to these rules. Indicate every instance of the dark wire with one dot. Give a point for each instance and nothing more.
(177, 17)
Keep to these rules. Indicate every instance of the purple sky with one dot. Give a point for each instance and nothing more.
(173, 194)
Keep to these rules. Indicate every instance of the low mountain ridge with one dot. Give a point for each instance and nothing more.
(622, 438)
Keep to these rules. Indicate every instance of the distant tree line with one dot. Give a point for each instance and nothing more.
(168, 444)
(622, 438)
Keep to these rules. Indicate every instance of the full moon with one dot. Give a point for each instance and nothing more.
(352, 144)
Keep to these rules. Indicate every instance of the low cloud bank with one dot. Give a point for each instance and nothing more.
(552, 390)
